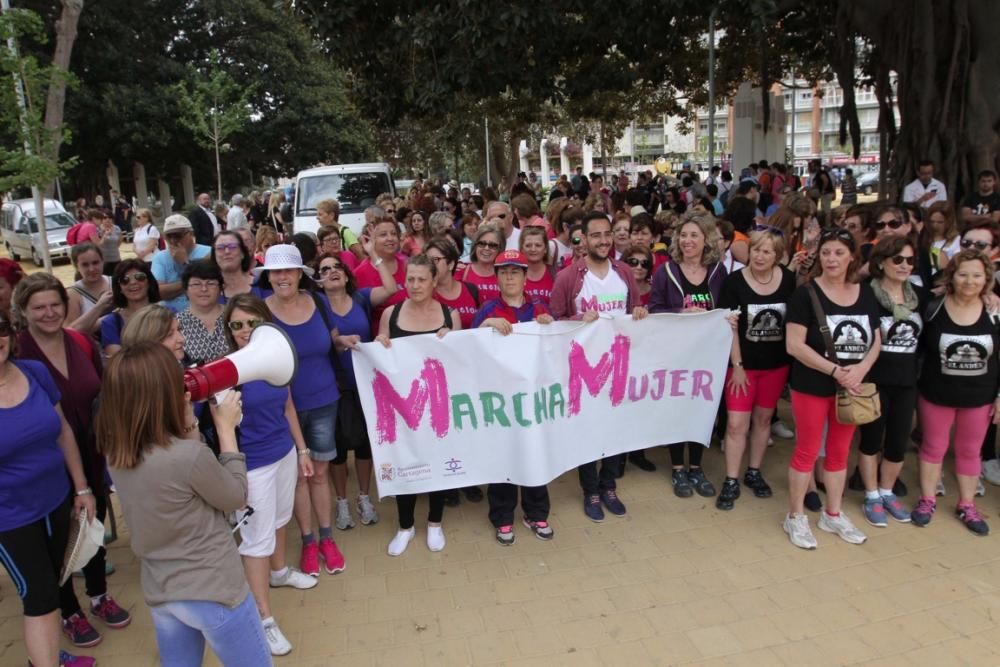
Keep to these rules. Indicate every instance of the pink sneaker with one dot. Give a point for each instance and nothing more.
(331, 555)
(309, 561)
(70, 660)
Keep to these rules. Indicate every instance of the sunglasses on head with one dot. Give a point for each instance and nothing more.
(769, 229)
(252, 323)
(899, 259)
(892, 224)
(138, 277)
(978, 245)
(635, 261)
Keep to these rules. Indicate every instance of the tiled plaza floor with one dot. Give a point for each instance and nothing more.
(674, 582)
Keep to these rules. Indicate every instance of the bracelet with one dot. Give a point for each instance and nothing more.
(302, 452)
(833, 371)
(85, 492)
(191, 427)
(738, 364)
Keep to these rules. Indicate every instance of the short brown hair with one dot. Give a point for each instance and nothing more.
(32, 285)
(147, 378)
(886, 248)
(524, 205)
(947, 274)
(331, 206)
(251, 303)
(83, 248)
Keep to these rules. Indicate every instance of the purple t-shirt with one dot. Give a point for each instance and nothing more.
(355, 323)
(33, 479)
(264, 436)
(315, 384)
(111, 329)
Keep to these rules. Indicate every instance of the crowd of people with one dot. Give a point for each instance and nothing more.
(821, 301)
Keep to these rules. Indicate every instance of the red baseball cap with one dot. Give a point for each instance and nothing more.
(511, 258)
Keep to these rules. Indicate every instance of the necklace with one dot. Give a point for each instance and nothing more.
(759, 281)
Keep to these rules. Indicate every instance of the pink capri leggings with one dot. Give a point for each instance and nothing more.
(811, 414)
(970, 429)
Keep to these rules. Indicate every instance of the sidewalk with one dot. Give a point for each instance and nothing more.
(674, 582)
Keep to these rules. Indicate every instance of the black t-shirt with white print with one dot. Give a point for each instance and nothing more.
(897, 362)
(853, 329)
(761, 329)
(960, 362)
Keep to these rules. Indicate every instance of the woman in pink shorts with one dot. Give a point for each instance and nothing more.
(759, 360)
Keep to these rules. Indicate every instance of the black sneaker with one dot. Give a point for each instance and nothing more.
(701, 483)
(639, 460)
(855, 483)
(473, 494)
(813, 502)
(682, 485)
(730, 492)
(755, 481)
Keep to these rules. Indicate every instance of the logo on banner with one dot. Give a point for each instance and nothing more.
(385, 472)
(453, 467)
(414, 473)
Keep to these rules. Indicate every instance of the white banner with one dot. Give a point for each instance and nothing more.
(478, 407)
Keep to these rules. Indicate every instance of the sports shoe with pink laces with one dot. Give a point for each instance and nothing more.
(80, 632)
(309, 560)
(70, 660)
(973, 520)
(333, 559)
(110, 612)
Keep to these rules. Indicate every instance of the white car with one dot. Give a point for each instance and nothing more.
(19, 227)
(354, 186)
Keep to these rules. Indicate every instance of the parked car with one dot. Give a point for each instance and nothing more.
(354, 186)
(19, 227)
(868, 183)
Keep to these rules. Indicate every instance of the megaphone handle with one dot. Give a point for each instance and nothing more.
(219, 397)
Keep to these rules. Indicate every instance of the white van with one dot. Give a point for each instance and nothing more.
(354, 186)
(21, 236)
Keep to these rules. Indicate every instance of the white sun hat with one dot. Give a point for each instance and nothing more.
(283, 256)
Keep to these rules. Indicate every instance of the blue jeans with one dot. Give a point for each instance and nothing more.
(235, 635)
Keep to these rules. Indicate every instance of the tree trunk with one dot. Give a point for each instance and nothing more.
(66, 28)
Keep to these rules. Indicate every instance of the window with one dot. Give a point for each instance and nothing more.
(355, 192)
(805, 95)
(52, 221)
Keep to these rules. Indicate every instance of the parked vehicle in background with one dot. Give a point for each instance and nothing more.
(19, 227)
(868, 183)
(354, 186)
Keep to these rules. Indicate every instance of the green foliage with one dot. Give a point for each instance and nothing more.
(24, 156)
(213, 107)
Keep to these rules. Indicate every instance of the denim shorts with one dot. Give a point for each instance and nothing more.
(318, 428)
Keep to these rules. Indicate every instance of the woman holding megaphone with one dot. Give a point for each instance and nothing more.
(175, 496)
(276, 453)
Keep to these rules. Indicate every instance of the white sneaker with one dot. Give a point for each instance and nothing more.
(780, 430)
(980, 489)
(797, 527)
(293, 579)
(435, 538)
(402, 540)
(367, 510)
(344, 518)
(841, 526)
(939, 490)
(991, 471)
(276, 640)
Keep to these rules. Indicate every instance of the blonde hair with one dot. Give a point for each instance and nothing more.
(147, 378)
(264, 235)
(777, 242)
(331, 206)
(706, 223)
(151, 324)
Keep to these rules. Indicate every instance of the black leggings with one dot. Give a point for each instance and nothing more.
(406, 504)
(989, 451)
(94, 576)
(33, 557)
(894, 425)
(695, 450)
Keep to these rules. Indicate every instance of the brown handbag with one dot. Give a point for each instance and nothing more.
(861, 408)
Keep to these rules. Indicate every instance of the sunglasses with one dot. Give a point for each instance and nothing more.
(488, 244)
(252, 323)
(978, 245)
(635, 261)
(222, 247)
(576, 240)
(892, 224)
(329, 269)
(899, 259)
(838, 235)
(769, 229)
(138, 277)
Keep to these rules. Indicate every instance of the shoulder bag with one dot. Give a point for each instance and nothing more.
(861, 408)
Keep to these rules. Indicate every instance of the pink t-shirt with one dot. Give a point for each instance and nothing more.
(487, 285)
(540, 289)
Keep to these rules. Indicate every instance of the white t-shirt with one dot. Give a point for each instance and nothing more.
(607, 295)
(560, 252)
(916, 190)
(145, 238)
(236, 218)
(513, 239)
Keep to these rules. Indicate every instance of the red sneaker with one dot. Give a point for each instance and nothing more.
(331, 556)
(80, 632)
(70, 660)
(309, 561)
(108, 611)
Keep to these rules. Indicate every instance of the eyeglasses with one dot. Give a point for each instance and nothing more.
(769, 229)
(252, 323)
(899, 259)
(223, 247)
(208, 284)
(491, 245)
(635, 261)
(893, 224)
(436, 259)
(979, 245)
(138, 277)
(323, 270)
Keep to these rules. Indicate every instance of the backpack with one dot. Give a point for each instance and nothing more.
(72, 236)
(160, 243)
